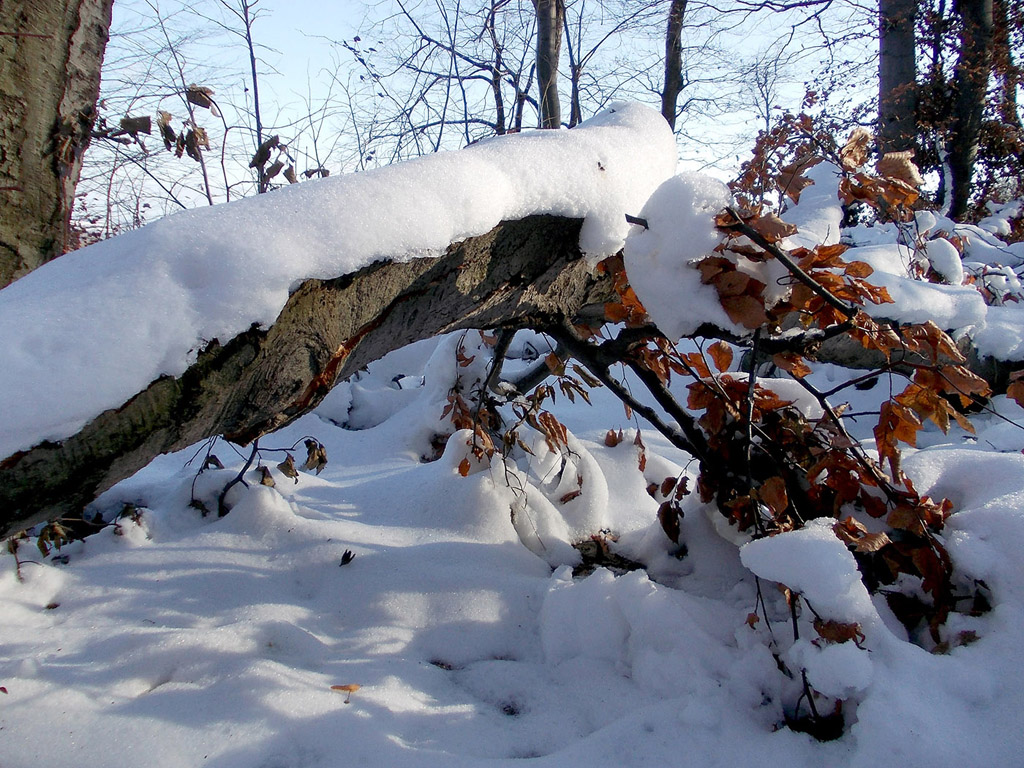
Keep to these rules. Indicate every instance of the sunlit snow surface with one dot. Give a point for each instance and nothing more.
(202, 641)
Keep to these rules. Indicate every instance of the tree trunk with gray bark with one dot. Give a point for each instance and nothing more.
(897, 74)
(550, 20)
(673, 62)
(50, 57)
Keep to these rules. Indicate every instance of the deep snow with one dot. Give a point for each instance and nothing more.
(183, 639)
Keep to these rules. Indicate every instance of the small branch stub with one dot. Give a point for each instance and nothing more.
(348, 690)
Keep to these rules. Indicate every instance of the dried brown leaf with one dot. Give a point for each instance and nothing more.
(900, 166)
(722, 355)
(668, 516)
(613, 438)
(832, 631)
(772, 228)
(745, 310)
(856, 150)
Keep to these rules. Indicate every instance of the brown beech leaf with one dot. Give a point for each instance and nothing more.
(713, 266)
(773, 493)
(859, 269)
(262, 154)
(612, 438)
(615, 312)
(464, 467)
(668, 516)
(872, 542)
(733, 283)
(275, 168)
(316, 456)
(1016, 389)
(288, 469)
(873, 505)
(849, 530)
(856, 150)
(928, 338)
(134, 125)
(722, 355)
(791, 181)
(791, 362)
(772, 228)
(932, 567)
(200, 96)
(900, 166)
(667, 485)
(745, 310)
(963, 382)
(265, 477)
(348, 690)
(571, 495)
(555, 364)
(832, 631)
(699, 365)
(752, 619)
(906, 518)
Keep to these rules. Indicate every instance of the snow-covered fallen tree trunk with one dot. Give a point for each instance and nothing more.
(521, 272)
(234, 319)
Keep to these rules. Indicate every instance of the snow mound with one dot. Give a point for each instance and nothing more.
(680, 219)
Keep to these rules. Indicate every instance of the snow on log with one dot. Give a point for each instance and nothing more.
(522, 272)
(236, 319)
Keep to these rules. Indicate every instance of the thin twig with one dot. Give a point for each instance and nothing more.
(222, 507)
(830, 298)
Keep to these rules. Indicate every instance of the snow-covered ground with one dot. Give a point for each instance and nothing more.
(189, 640)
(174, 638)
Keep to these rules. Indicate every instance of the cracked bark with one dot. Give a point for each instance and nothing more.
(50, 56)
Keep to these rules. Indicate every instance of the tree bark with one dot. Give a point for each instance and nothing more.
(1006, 69)
(527, 272)
(897, 74)
(970, 84)
(50, 57)
(550, 19)
(673, 62)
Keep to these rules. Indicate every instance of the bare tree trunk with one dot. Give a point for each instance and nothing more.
(550, 20)
(970, 84)
(897, 74)
(673, 62)
(521, 273)
(50, 57)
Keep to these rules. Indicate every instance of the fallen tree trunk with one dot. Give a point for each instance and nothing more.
(523, 272)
